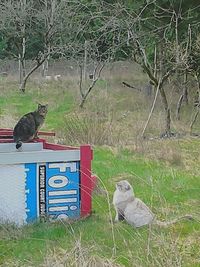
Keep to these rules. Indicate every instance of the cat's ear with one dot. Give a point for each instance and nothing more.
(46, 105)
(39, 105)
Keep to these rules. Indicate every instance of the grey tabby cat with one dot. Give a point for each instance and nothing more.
(27, 127)
(134, 210)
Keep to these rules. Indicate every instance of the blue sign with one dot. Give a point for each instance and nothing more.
(52, 190)
(62, 190)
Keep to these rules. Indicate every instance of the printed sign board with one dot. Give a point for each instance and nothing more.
(52, 189)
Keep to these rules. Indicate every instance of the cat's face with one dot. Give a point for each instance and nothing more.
(123, 186)
(43, 109)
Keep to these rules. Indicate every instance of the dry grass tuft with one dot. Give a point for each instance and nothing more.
(78, 256)
(87, 127)
(94, 124)
(7, 121)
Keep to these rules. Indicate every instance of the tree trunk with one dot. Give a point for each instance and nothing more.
(85, 60)
(197, 107)
(20, 69)
(183, 97)
(96, 75)
(84, 97)
(45, 65)
(178, 108)
(151, 111)
(194, 119)
(23, 52)
(50, 7)
(24, 81)
(82, 102)
(185, 90)
(167, 131)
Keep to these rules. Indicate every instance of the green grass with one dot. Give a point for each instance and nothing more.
(18, 104)
(164, 174)
(165, 190)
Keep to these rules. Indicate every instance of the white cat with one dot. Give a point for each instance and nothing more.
(134, 210)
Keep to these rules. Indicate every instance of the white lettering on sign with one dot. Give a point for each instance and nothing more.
(62, 192)
(57, 208)
(58, 181)
(42, 195)
(62, 200)
(42, 190)
(63, 166)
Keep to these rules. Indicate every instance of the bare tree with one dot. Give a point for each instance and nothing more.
(14, 21)
(158, 76)
(94, 77)
(40, 59)
(20, 20)
(151, 35)
(84, 44)
(50, 15)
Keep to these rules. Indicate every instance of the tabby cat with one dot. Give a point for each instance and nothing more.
(27, 127)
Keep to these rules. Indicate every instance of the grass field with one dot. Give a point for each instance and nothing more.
(164, 173)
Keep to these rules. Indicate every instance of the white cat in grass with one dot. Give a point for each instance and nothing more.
(134, 210)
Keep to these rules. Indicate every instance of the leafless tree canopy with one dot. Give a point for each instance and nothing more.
(161, 36)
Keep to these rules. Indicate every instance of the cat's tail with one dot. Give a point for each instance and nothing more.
(18, 144)
(18, 141)
(168, 223)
